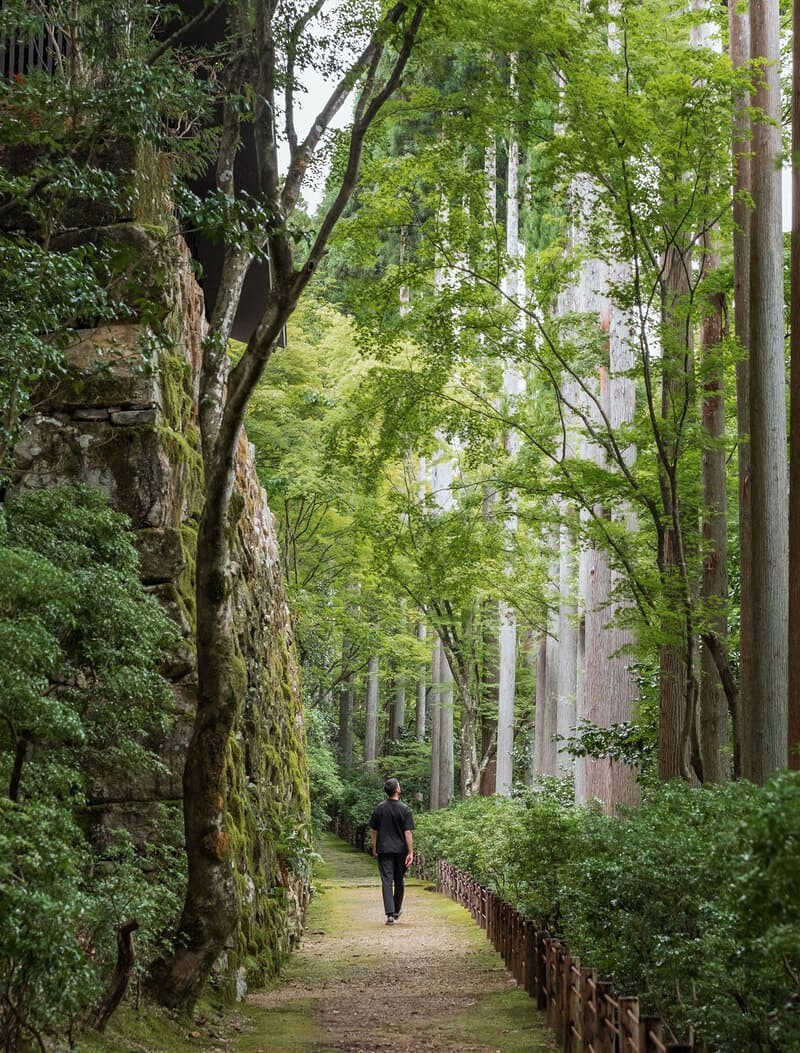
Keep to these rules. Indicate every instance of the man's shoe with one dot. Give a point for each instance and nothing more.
(397, 914)
(390, 919)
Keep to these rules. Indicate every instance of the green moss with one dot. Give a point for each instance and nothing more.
(177, 397)
(151, 187)
(187, 580)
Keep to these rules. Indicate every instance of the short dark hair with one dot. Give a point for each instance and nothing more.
(390, 787)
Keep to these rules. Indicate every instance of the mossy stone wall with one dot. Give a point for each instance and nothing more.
(126, 422)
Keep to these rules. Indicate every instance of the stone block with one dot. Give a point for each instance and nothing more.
(106, 369)
(161, 554)
(146, 473)
(91, 414)
(126, 418)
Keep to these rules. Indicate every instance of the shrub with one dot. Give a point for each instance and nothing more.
(691, 900)
(80, 692)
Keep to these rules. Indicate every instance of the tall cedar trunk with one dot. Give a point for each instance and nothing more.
(471, 774)
(446, 759)
(740, 55)
(505, 699)
(608, 694)
(794, 429)
(529, 647)
(567, 643)
(541, 703)
(436, 722)
(580, 694)
(550, 729)
(399, 715)
(608, 691)
(767, 730)
(345, 736)
(618, 785)
(677, 682)
(713, 706)
(371, 722)
(514, 281)
(490, 684)
(422, 690)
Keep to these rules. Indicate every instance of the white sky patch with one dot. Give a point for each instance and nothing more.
(307, 105)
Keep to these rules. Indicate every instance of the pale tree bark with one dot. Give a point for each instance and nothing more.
(345, 736)
(567, 641)
(504, 774)
(399, 716)
(422, 690)
(514, 288)
(794, 429)
(210, 909)
(541, 703)
(446, 753)
(740, 54)
(436, 724)
(490, 683)
(371, 722)
(767, 725)
(549, 747)
(616, 784)
(580, 687)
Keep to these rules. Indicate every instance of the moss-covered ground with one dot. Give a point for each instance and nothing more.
(430, 982)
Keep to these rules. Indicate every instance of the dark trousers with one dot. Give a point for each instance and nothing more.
(392, 868)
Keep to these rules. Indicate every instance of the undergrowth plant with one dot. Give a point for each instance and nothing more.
(691, 900)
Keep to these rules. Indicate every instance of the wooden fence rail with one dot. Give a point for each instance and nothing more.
(585, 1013)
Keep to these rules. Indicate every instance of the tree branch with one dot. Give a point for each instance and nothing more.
(175, 38)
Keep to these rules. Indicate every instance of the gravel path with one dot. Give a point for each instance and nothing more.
(429, 982)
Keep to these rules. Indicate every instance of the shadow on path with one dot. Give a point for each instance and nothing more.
(430, 982)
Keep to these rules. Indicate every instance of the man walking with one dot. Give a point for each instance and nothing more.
(393, 846)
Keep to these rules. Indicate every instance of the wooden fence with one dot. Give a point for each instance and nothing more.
(584, 1011)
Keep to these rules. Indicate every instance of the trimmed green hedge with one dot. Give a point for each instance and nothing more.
(691, 901)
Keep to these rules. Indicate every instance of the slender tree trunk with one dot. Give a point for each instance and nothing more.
(436, 723)
(677, 677)
(446, 756)
(422, 689)
(740, 55)
(794, 430)
(514, 283)
(504, 775)
(541, 704)
(371, 725)
(567, 643)
(345, 737)
(550, 729)
(713, 706)
(399, 722)
(490, 687)
(767, 726)
(580, 699)
(210, 908)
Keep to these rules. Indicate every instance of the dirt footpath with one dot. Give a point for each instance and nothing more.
(430, 982)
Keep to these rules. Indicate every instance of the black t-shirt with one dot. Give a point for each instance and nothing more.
(391, 819)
